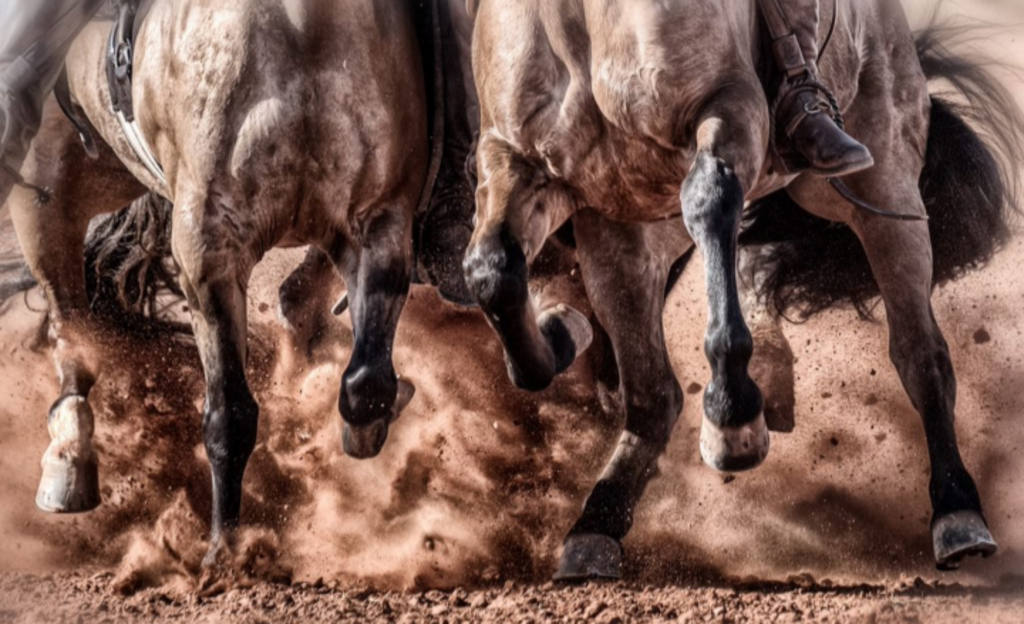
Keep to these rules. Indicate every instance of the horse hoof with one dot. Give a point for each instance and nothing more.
(69, 485)
(961, 535)
(734, 449)
(590, 557)
(568, 332)
(364, 442)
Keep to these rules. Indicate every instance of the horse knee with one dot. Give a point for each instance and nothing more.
(712, 200)
(496, 273)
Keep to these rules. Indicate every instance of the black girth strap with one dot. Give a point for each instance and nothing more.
(120, 54)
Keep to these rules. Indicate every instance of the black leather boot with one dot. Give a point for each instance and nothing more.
(807, 119)
(808, 123)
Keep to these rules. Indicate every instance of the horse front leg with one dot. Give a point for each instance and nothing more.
(215, 267)
(734, 435)
(517, 209)
(626, 268)
(378, 274)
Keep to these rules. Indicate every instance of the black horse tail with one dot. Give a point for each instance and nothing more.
(131, 279)
(971, 187)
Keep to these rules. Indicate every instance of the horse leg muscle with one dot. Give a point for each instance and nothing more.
(734, 436)
(626, 269)
(378, 274)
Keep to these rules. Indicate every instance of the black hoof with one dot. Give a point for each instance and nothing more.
(568, 332)
(959, 536)
(590, 557)
(69, 485)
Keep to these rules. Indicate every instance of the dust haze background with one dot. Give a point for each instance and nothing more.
(481, 482)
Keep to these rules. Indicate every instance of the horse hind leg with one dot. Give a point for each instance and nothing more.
(52, 237)
(901, 261)
(378, 274)
(626, 272)
(215, 266)
(306, 298)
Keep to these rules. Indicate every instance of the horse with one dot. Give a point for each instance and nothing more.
(270, 123)
(646, 126)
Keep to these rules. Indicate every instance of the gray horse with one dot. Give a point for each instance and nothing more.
(621, 114)
(273, 124)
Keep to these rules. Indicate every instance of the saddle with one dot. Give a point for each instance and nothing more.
(127, 16)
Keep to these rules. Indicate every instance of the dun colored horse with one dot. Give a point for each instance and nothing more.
(621, 114)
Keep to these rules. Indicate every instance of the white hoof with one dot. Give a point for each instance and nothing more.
(734, 449)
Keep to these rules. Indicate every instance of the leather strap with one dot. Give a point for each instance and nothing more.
(789, 56)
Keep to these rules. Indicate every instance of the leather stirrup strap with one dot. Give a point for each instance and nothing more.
(785, 46)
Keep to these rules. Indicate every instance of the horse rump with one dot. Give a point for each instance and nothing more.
(970, 186)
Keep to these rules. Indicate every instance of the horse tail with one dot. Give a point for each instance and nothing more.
(131, 278)
(971, 187)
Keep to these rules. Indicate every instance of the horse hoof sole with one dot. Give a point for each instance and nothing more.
(959, 536)
(590, 557)
(69, 486)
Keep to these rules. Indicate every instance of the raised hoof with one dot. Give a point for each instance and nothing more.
(69, 485)
(961, 535)
(734, 449)
(590, 557)
(568, 332)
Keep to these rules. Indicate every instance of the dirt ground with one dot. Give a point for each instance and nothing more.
(461, 518)
(83, 597)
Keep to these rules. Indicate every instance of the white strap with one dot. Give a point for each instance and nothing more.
(140, 146)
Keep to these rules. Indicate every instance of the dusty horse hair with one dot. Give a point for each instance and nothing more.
(970, 188)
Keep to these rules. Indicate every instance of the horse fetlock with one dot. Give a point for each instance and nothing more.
(960, 535)
(368, 394)
(734, 449)
(70, 424)
(568, 333)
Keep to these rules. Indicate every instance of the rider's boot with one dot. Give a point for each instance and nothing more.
(808, 132)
